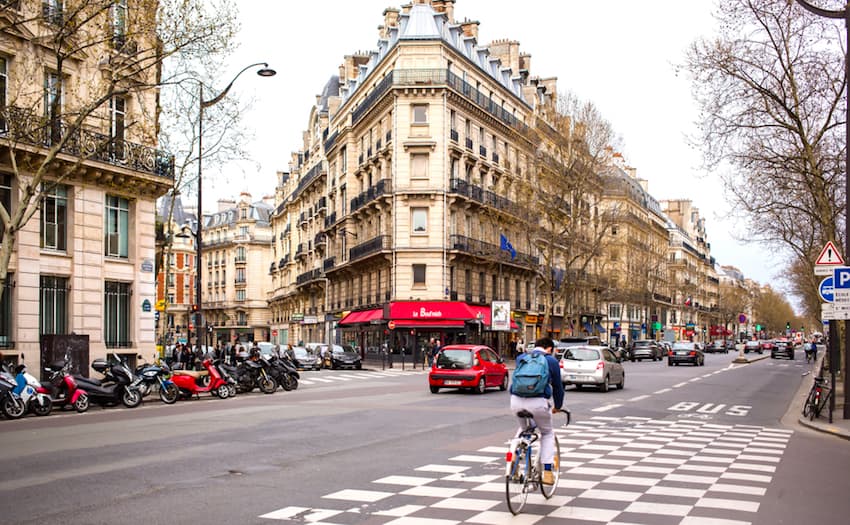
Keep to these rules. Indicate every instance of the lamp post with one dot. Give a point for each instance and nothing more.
(264, 71)
(833, 332)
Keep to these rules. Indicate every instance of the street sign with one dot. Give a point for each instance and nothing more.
(825, 289)
(829, 256)
(160, 305)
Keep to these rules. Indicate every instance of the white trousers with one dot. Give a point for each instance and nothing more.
(542, 412)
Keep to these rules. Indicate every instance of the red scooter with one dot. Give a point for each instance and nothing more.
(191, 382)
(63, 389)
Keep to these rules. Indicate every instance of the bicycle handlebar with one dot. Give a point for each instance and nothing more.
(566, 413)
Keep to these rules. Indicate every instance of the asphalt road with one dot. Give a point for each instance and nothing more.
(678, 445)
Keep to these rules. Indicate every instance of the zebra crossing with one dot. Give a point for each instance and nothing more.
(628, 470)
(336, 376)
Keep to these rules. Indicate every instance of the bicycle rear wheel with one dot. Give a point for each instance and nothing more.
(549, 490)
(516, 480)
(808, 406)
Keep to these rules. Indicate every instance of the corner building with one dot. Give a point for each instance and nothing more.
(389, 220)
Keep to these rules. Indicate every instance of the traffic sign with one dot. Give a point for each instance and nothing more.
(160, 305)
(829, 256)
(825, 289)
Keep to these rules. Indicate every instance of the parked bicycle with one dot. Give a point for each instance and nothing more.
(818, 398)
(523, 470)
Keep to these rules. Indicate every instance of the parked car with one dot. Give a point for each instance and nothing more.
(474, 367)
(730, 345)
(591, 365)
(306, 360)
(782, 348)
(685, 352)
(767, 345)
(645, 349)
(345, 356)
(752, 346)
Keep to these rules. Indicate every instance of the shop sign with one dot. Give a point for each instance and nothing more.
(310, 319)
(297, 317)
(530, 319)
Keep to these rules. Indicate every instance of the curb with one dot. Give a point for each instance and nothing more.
(748, 360)
(826, 428)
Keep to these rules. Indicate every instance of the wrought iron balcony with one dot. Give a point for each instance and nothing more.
(482, 151)
(329, 263)
(307, 277)
(469, 144)
(370, 247)
(490, 198)
(382, 187)
(453, 135)
(27, 127)
(330, 220)
(320, 240)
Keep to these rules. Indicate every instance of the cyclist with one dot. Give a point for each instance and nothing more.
(540, 409)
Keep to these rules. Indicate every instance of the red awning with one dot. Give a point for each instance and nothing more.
(430, 310)
(429, 323)
(362, 316)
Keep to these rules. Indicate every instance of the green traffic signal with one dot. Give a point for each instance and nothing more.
(758, 328)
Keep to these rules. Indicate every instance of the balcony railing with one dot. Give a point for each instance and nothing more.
(308, 179)
(27, 127)
(330, 220)
(468, 143)
(482, 151)
(479, 194)
(453, 135)
(478, 248)
(329, 263)
(382, 187)
(283, 261)
(306, 277)
(370, 247)
(320, 240)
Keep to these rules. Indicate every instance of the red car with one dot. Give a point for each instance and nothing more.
(475, 367)
(767, 345)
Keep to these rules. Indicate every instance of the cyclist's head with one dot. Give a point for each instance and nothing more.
(545, 343)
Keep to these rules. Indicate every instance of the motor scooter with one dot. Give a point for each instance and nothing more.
(116, 385)
(10, 403)
(156, 376)
(191, 382)
(63, 388)
(26, 391)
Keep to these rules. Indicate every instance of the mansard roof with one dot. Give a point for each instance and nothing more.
(422, 22)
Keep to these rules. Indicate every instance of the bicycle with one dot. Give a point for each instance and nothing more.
(523, 470)
(817, 399)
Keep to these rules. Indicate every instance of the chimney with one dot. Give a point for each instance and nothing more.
(445, 6)
(390, 17)
(268, 200)
(470, 28)
(507, 51)
(226, 204)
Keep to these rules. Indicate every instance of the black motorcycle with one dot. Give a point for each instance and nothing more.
(283, 372)
(116, 385)
(250, 374)
(156, 377)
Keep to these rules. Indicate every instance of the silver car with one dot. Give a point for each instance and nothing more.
(591, 365)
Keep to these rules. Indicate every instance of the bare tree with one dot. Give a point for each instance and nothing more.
(771, 89)
(733, 302)
(566, 225)
(70, 119)
(773, 311)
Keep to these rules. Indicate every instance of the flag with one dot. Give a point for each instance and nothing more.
(506, 245)
(688, 301)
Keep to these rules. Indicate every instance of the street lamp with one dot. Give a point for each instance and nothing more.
(833, 332)
(264, 71)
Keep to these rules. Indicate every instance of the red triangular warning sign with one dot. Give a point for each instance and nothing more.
(830, 256)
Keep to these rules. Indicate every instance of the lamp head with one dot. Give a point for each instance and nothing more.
(266, 71)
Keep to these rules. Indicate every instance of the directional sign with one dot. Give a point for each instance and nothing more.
(825, 290)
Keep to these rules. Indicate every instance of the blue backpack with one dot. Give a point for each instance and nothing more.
(531, 376)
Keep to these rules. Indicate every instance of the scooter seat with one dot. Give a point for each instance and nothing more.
(192, 373)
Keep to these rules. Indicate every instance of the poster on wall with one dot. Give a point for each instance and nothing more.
(500, 312)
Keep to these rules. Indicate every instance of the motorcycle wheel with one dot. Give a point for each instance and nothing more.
(222, 391)
(268, 385)
(286, 382)
(169, 394)
(42, 409)
(13, 407)
(293, 381)
(82, 403)
(231, 390)
(131, 398)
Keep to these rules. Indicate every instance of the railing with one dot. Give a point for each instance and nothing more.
(119, 344)
(273, 267)
(472, 246)
(320, 240)
(329, 263)
(240, 259)
(329, 143)
(469, 144)
(482, 151)
(306, 277)
(372, 246)
(490, 198)
(308, 179)
(25, 126)
(382, 187)
(372, 97)
(453, 135)
(283, 261)
(330, 220)
(321, 204)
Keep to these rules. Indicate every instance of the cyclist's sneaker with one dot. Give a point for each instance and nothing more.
(548, 477)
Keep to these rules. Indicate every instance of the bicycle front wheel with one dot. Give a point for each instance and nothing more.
(549, 490)
(516, 480)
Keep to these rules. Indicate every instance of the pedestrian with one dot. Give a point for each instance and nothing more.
(231, 354)
(433, 350)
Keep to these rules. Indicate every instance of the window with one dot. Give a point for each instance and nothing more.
(240, 295)
(243, 231)
(420, 113)
(119, 23)
(116, 315)
(613, 311)
(6, 313)
(53, 315)
(52, 95)
(419, 166)
(115, 225)
(54, 213)
(419, 219)
(5, 195)
(343, 161)
(241, 319)
(51, 11)
(4, 78)
(418, 275)
(117, 113)
(240, 275)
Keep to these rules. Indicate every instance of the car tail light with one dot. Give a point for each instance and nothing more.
(669, 353)
(561, 364)
(600, 365)
(509, 456)
(693, 353)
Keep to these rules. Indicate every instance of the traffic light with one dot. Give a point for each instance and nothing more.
(787, 325)
(194, 308)
(758, 328)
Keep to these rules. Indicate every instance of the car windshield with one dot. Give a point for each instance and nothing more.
(581, 354)
(343, 350)
(683, 346)
(454, 359)
(300, 353)
(643, 343)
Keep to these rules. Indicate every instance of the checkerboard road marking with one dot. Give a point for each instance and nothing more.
(614, 470)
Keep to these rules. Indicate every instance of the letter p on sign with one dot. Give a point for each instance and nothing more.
(842, 278)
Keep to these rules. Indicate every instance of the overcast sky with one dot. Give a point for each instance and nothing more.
(619, 54)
